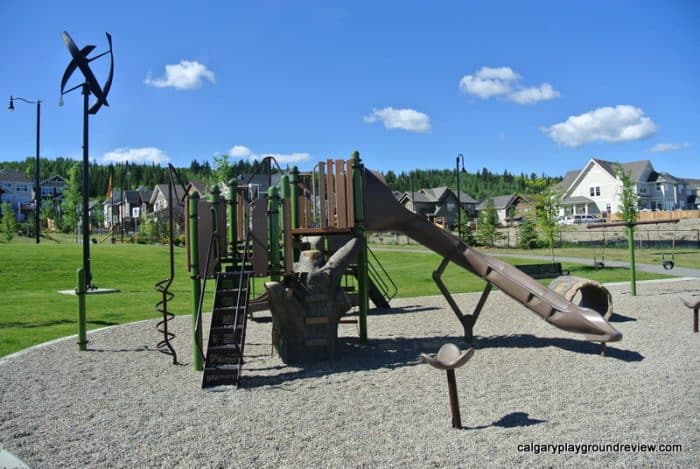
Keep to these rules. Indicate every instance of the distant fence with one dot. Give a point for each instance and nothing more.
(610, 237)
(661, 215)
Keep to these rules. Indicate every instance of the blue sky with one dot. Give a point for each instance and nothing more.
(520, 86)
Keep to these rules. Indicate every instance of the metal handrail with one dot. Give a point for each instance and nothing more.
(200, 302)
(380, 276)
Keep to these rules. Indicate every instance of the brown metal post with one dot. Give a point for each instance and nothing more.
(695, 319)
(454, 400)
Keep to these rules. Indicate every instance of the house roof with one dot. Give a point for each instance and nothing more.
(465, 198)
(499, 202)
(577, 199)
(569, 178)
(259, 179)
(13, 175)
(663, 177)
(53, 181)
(435, 195)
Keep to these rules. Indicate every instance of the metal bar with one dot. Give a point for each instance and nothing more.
(86, 188)
(362, 259)
(193, 221)
(622, 223)
(633, 270)
(81, 292)
(288, 242)
(232, 212)
(274, 240)
(454, 400)
(467, 321)
(294, 197)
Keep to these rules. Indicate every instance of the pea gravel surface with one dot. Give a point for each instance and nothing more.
(532, 395)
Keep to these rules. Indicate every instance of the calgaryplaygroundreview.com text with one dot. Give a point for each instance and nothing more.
(585, 448)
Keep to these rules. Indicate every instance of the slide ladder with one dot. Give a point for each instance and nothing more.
(224, 357)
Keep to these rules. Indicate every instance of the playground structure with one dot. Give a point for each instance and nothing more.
(309, 235)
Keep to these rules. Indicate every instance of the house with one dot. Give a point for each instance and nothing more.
(509, 208)
(437, 202)
(52, 188)
(16, 189)
(158, 200)
(123, 207)
(258, 183)
(596, 189)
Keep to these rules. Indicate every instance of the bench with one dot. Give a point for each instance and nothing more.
(539, 271)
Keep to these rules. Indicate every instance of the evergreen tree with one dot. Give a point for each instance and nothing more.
(8, 223)
(71, 200)
(487, 234)
(527, 233)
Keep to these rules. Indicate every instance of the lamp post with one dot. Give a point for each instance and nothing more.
(459, 197)
(37, 189)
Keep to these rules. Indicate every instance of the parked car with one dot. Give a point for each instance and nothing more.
(580, 219)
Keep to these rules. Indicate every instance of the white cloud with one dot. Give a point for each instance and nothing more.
(186, 75)
(136, 155)
(531, 95)
(503, 81)
(406, 119)
(664, 147)
(621, 123)
(241, 151)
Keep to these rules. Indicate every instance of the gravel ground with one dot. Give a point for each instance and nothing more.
(122, 404)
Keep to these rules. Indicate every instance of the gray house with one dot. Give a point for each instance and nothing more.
(437, 203)
(509, 208)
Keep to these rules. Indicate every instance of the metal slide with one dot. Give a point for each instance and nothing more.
(384, 213)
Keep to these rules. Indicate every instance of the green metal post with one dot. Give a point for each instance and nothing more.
(81, 292)
(294, 197)
(193, 223)
(362, 258)
(232, 227)
(633, 270)
(215, 198)
(273, 211)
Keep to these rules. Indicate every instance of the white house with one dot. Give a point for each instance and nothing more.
(17, 190)
(597, 190)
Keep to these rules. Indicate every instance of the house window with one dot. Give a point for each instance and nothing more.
(658, 187)
(594, 191)
(607, 208)
(597, 190)
(22, 188)
(642, 190)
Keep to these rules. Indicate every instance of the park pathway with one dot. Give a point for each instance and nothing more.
(652, 268)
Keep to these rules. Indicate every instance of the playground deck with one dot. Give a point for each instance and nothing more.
(122, 404)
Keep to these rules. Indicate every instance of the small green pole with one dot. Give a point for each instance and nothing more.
(81, 292)
(633, 270)
(274, 222)
(215, 198)
(193, 207)
(294, 197)
(362, 258)
(232, 228)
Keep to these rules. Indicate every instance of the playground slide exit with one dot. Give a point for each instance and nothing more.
(384, 213)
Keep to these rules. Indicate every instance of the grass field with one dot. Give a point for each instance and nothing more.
(33, 312)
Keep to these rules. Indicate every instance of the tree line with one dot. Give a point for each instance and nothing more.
(479, 185)
(132, 175)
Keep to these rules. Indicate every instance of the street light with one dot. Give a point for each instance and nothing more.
(459, 196)
(37, 189)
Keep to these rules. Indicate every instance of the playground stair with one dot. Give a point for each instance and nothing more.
(224, 358)
(382, 288)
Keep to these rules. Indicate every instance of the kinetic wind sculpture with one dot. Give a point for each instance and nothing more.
(89, 86)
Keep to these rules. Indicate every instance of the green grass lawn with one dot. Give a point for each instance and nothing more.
(412, 273)
(33, 311)
(30, 276)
